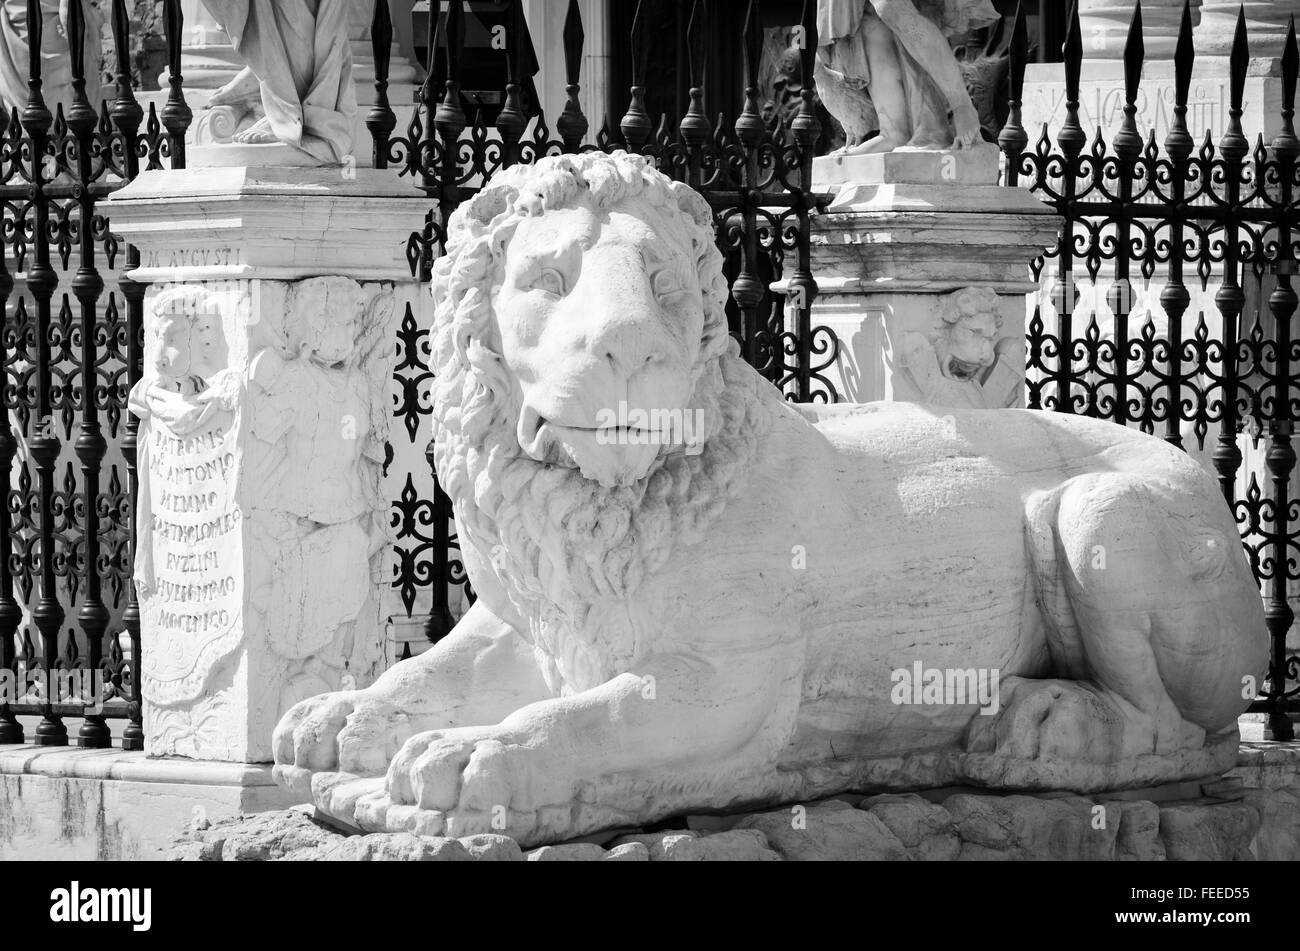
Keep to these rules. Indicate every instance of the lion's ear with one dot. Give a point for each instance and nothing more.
(492, 201)
(694, 204)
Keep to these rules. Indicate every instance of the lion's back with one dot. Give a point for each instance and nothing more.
(915, 523)
(1036, 449)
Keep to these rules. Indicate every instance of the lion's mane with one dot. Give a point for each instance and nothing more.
(570, 553)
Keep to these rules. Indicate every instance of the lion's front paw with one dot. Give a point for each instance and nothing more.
(476, 779)
(352, 731)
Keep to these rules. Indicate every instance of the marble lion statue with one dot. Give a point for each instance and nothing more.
(660, 631)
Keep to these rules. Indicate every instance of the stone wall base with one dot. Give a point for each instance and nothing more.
(110, 805)
(965, 826)
(107, 805)
(1254, 813)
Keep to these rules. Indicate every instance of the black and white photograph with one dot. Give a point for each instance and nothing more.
(649, 431)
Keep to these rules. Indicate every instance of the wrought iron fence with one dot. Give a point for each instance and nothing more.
(71, 349)
(1176, 217)
(756, 175)
(72, 343)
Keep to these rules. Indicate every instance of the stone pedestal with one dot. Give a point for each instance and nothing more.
(922, 266)
(269, 320)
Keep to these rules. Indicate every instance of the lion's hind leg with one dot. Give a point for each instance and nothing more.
(1131, 621)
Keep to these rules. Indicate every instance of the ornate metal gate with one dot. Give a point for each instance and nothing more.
(1173, 218)
(71, 349)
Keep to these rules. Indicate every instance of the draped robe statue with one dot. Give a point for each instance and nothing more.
(56, 59)
(300, 64)
(886, 66)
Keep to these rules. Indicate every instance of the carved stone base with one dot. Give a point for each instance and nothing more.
(924, 284)
(271, 222)
(263, 415)
(111, 806)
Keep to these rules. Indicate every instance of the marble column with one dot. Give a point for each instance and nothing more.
(1266, 24)
(546, 25)
(1104, 26)
(402, 75)
(274, 295)
(208, 61)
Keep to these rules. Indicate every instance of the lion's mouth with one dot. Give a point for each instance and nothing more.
(610, 455)
(963, 369)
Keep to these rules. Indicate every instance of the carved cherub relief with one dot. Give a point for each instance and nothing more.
(315, 453)
(186, 381)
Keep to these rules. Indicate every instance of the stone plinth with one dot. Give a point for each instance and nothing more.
(112, 806)
(928, 262)
(263, 413)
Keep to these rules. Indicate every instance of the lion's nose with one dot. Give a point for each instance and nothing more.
(628, 348)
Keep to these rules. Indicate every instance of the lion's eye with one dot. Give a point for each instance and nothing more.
(551, 281)
(665, 283)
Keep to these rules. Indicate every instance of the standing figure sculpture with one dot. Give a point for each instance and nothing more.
(886, 66)
(56, 57)
(299, 63)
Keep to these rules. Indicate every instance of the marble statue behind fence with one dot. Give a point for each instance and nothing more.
(299, 68)
(885, 66)
(56, 54)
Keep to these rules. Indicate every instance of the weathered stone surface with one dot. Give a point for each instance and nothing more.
(1138, 838)
(1025, 827)
(398, 847)
(1279, 826)
(1214, 833)
(577, 852)
(1267, 764)
(966, 826)
(88, 805)
(191, 852)
(264, 837)
(628, 852)
(925, 828)
(831, 831)
(657, 844)
(737, 845)
(487, 847)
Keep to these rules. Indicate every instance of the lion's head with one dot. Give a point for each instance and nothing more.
(972, 324)
(589, 409)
